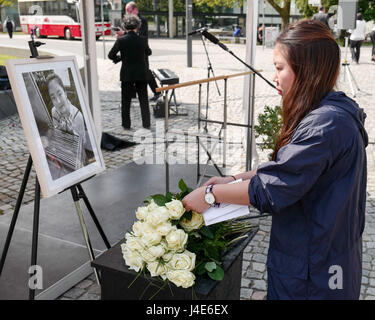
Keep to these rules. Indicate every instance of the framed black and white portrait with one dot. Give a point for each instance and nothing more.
(56, 118)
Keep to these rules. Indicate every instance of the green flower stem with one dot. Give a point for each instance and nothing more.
(161, 288)
(236, 239)
(139, 273)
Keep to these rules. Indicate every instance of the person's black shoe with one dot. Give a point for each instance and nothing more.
(155, 97)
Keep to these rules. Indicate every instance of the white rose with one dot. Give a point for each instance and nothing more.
(152, 253)
(150, 237)
(157, 269)
(157, 216)
(183, 261)
(165, 228)
(176, 240)
(142, 213)
(138, 228)
(152, 206)
(181, 278)
(132, 258)
(168, 256)
(176, 209)
(133, 242)
(195, 223)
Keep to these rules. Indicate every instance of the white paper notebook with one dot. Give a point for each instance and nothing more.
(224, 212)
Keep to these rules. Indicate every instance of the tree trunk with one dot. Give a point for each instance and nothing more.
(285, 17)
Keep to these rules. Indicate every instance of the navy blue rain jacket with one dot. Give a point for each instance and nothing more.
(316, 192)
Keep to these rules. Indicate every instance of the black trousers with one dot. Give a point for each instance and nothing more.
(127, 89)
(10, 33)
(355, 48)
(372, 36)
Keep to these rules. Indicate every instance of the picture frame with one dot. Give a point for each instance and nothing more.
(54, 111)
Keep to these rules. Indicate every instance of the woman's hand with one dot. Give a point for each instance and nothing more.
(195, 200)
(218, 180)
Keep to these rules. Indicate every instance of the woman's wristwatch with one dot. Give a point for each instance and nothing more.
(209, 196)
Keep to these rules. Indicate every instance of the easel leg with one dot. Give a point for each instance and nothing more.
(93, 216)
(34, 247)
(350, 80)
(84, 228)
(355, 82)
(15, 214)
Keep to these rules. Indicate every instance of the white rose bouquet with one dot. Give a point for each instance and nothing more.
(173, 244)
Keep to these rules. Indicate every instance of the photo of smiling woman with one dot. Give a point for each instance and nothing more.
(60, 121)
(315, 185)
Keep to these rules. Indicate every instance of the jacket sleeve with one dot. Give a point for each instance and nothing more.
(113, 53)
(281, 183)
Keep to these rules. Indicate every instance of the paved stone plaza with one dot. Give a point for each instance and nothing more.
(14, 153)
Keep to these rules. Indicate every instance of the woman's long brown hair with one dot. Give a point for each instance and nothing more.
(314, 57)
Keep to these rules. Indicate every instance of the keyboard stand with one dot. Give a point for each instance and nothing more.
(170, 106)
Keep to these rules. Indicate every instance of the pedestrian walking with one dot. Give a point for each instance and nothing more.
(315, 185)
(9, 25)
(133, 49)
(357, 36)
(372, 36)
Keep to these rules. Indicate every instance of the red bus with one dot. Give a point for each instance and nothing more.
(59, 18)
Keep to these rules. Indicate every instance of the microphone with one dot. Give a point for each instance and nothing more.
(197, 31)
(214, 40)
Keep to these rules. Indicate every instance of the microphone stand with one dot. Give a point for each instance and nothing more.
(215, 40)
(209, 70)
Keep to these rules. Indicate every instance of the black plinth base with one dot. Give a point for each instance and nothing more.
(116, 277)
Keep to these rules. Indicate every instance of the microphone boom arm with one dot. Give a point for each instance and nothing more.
(215, 40)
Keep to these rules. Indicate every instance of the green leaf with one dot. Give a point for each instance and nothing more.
(200, 269)
(210, 266)
(212, 252)
(148, 200)
(159, 199)
(217, 274)
(182, 185)
(169, 196)
(188, 215)
(206, 231)
(195, 234)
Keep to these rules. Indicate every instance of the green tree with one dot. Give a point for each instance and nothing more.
(308, 10)
(367, 7)
(199, 5)
(283, 8)
(7, 3)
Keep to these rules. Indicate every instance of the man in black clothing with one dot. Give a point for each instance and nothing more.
(131, 8)
(9, 24)
(321, 16)
(134, 51)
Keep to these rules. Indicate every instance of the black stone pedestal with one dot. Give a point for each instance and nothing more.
(116, 278)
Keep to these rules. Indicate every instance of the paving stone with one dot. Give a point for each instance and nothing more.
(245, 283)
(74, 293)
(259, 295)
(370, 291)
(259, 285)
(246, 293)
(85, 284)
(260, 258)
(259, 267)
(254, 275)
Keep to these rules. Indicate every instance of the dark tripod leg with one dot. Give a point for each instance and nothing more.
(34, 247)
(16, 211)
(93, 216)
